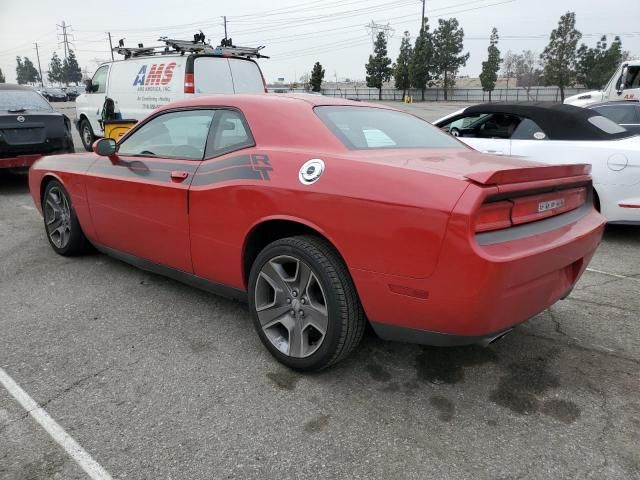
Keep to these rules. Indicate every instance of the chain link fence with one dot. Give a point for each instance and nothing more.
(470, 95)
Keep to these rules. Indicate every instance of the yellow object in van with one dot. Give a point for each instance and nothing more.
(117, 128)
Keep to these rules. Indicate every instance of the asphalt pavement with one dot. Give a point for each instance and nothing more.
(155, 379)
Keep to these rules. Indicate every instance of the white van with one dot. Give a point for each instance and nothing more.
(623, 85)
(142, 83)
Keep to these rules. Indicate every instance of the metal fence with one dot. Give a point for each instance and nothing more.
(471, 95)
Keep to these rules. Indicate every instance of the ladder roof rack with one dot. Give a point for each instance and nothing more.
(197, 46)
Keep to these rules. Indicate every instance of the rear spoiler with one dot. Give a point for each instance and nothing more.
(529, 174)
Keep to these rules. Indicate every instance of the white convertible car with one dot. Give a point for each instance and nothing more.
(556, 133)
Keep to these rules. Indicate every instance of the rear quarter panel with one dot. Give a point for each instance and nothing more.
(380, 218)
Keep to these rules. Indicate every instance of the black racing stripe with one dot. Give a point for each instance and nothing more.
(240, 160)
(235, 173)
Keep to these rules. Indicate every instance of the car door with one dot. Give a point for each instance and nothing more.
(91, 103)
(485, 132)
(139, 199)
(530, 141)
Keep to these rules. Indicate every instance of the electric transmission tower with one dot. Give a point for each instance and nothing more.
(66, 38)
(374, 28)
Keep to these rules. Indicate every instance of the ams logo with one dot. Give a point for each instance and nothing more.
(160, 74)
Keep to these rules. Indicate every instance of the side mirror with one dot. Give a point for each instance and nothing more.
(622, 81)
(105, 147)
(89, 86)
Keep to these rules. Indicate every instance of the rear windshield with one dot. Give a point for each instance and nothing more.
(361, 128)
(18, 100)
(227, 75)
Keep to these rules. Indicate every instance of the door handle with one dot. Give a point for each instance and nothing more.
(494, 152)
(179, 175)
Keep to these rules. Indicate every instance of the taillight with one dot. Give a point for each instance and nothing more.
(536, 207)
(526, 209)
(493, 216)
(189, 86)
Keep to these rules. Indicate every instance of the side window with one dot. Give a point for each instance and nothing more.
(99, 80)
(633, 78)
(180, 134)
(620, 114)
(528, 130)
(464, 126)
(497, 125)
(230, 132)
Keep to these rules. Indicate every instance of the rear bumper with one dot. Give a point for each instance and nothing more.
(480, 291)
(21, 161)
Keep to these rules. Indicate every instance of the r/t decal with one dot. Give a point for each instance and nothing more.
(262, 165)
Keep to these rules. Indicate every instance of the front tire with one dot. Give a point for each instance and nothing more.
(304, 305)
(86, 134)
(60, 221)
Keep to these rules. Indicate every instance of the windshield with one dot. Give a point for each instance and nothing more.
(19, 100)
(368, 127)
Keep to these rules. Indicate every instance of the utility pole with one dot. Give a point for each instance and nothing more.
(423, 7)
(39, 67)
(65, 37)
(110, 46)
(225, 26)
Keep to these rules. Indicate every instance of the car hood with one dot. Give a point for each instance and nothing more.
(585, 98)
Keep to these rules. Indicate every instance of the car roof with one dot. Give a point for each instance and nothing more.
(557, 120)
(15, 86)
(269, 100)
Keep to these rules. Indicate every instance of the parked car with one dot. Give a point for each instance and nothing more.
(556, 133)
(147, 79)
(54, 94)
(626, 114)
(337, 214)
(73, 92)
(29, 127)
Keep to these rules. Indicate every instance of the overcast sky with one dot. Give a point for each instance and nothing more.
(298, 33)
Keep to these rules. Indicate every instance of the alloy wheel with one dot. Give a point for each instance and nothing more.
(291, 306)
(57, 214)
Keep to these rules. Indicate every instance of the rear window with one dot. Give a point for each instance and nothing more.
(216, 75)
(606, 125)
(361, 128)
(22, 100)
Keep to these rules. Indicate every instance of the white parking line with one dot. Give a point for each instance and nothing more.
(617, 275)
(75, 451)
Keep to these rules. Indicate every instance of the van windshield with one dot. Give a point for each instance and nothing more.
(217, 75)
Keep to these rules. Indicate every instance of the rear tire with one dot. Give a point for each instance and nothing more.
(86, 134)
(304, 305)
(61, 223)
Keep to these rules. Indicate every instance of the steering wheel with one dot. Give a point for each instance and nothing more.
(455, 131)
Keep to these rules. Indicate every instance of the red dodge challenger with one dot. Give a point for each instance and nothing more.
(326, 214)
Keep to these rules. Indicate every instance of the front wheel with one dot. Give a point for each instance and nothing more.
(60, 221)
(304, 304)
(86, 134)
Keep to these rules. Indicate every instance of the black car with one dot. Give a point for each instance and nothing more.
(30, 127)
(55, 95)
(73, 92)
(625, 113)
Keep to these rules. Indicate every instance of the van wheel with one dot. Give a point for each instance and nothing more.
(86, 134)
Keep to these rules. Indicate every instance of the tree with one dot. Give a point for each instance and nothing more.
(20, 79)
(509, 65)
(526, 71)
(2, 79)
(596, 65)
(30, 72)
(559, 57)
(56, 72)
(447, 48)
(317, 75)
(421, 64)
(401, 68)
(490, 68)
(71, 69)
(379, 66)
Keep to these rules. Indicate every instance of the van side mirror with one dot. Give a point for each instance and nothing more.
(105, 147)
(89, 86)
(622, 81)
